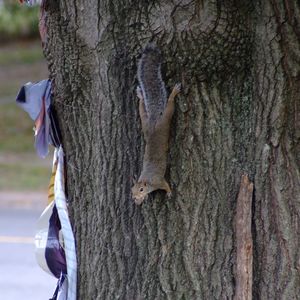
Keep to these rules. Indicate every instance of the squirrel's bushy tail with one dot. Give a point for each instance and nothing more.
(151, 83)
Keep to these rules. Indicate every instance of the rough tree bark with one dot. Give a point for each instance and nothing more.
(239, 113)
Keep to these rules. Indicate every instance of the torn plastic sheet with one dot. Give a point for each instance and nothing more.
(49, 249)
(55, 253)
(35, 99)
(55, 243)
(60, 292)
(68, 237)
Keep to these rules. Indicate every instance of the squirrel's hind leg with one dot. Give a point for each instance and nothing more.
(139, 93)
(165, 186)
(176, 90)
(169, 110)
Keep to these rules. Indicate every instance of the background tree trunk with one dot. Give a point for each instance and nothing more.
(238, 113)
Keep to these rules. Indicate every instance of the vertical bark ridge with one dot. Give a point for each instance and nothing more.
(244, 243)
(277, 214)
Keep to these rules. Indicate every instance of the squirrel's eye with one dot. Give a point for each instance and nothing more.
(141, 189)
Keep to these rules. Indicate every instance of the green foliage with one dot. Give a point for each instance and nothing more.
(22, 176)
(20, 56)
(20, 167)
(16, 59)
(18, 21)
(17, 135)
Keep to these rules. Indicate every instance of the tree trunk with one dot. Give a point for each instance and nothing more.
(238, 113)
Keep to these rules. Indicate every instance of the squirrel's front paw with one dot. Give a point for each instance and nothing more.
(177, 88)
(169, 195)
(139, 92)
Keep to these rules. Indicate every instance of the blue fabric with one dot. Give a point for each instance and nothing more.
(30, 97)
(34, 98)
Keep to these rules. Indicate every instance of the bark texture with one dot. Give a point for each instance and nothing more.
(244, 243)
(239, 112)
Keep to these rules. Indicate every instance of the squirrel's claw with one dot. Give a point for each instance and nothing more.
(176, 90)
(139, 92)
(178, 87)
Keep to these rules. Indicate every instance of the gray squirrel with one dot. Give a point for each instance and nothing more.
(156, 113)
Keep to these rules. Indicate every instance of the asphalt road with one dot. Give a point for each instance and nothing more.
(20, 275)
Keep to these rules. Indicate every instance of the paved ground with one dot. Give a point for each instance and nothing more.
(20, 276)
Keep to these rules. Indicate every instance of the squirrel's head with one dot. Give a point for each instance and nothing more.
(140, 191)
